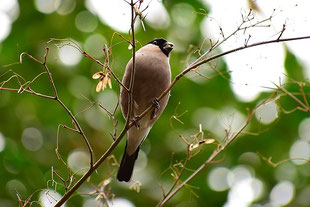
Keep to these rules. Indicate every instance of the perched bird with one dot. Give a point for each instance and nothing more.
(152, 77)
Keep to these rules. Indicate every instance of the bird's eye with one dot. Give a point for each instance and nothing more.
(155, 42)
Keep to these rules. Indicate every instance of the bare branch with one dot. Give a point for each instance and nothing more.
(215, 153)
(68, 194)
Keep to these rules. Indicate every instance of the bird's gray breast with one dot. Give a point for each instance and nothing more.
(152, 77)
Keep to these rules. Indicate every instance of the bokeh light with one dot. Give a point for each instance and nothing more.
(80, 86)
(2, 142)
(247, 77)
(250, 158)
(69, 55)
(7, 5)
(282, 193)
(238, 174)
(157, 15)
(94, 45)
(109, 99)
(78, 161)
(97, 120)
(300, 152)
(267, 113)
(258, 70)
(244, 192)
(141, 162)
(5, 25)
(48, 198)
(10, 8)
(15, 186)
(208, 117)
(145, 176)
(47, 6)
(244, 187)
(217, 179)
(217, 121)
(140, 172)
(183, 14)
(66, 7)
(304, 129)
(295, 15)
(286, 171)
(86, 21)
(32, 139)
(115, 14)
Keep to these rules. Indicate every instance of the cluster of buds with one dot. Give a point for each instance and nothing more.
(104, 77)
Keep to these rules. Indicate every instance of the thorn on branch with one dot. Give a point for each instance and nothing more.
(282, 31)
(221, 32)
(247, 41)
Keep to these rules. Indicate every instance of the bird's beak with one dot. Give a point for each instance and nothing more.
(168, 46)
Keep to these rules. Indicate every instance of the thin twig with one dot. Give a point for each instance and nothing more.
(68, 194)
(195, 64)
(76, 123)
(56, 97)
(186, 70)
(304, 106)
(215, 153)
(85, 54)
(132, 74)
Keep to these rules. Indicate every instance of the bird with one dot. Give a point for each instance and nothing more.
(152, 78)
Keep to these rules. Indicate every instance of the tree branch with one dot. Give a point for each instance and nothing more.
(215, 153)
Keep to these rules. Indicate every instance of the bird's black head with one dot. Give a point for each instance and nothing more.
(165, 46)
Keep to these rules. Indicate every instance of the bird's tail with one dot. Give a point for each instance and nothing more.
(125, 169)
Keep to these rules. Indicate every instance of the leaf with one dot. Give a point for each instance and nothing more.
(97, 75)
(99, 86)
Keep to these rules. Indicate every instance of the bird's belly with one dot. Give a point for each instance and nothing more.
(151, 86)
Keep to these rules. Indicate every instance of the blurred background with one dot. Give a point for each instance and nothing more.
(216, 96)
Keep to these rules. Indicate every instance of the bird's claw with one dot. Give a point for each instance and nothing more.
(135, 121)
(156, 107)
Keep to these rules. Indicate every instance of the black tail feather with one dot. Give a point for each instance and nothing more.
(126, 168)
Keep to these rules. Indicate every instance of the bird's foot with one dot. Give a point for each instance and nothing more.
(156, 106)
(135, 121)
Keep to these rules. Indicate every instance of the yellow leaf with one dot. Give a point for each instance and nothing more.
(209, 141)
(193, 146)
(96, 75)
(109, 83)
(104, 82)
(99, 86)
